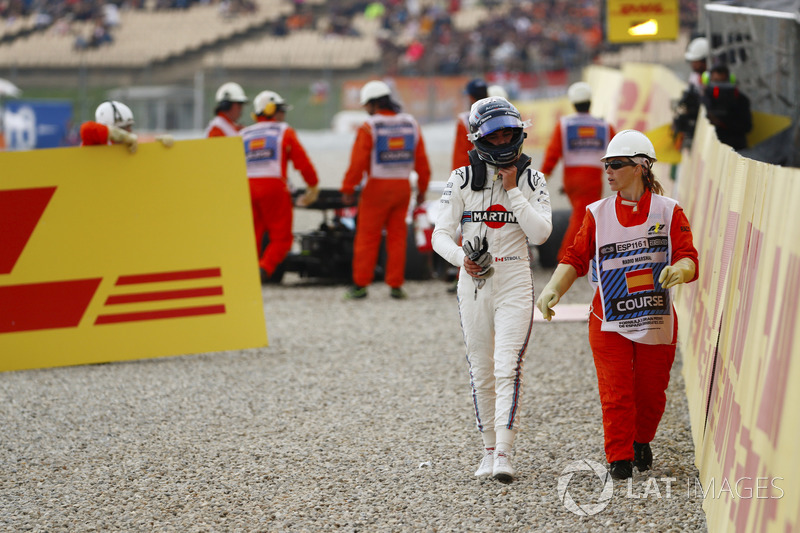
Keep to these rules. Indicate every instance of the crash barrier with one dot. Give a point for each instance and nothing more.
(740, 335)
(108, 256)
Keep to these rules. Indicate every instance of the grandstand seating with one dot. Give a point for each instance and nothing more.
(9, 29)
(300, 49)
(143, 37)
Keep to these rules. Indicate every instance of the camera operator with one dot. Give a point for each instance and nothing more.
(728, 109)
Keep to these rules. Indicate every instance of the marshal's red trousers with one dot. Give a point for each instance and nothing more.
(383, 205)
(633, 380)
(272, 214)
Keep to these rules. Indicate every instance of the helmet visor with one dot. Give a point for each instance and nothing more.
(494, 124)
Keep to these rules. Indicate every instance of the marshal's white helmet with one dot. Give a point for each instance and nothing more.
(697, 50)
(630, 143)
(268, 103)
(374, 89)
(231, 92)
(579, 92)
(113, 113)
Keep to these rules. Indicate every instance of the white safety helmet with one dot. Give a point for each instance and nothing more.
(630, 143)
(113, 113)
(579, 93)
(497, 90)
(374, 89)
(231, 92)
(697, 50)
(268, 103)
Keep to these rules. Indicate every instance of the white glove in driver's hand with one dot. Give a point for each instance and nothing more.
(478, 252)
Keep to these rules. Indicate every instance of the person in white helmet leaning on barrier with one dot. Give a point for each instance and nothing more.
(113, 124)
(635, 246)
(230, 100)
(270, 144)
(501, 205)
(579, 140)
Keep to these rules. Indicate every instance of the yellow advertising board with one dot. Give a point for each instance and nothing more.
(544, 115)
(741, 344)
(633, 21)
(663, 142)
(108, 256)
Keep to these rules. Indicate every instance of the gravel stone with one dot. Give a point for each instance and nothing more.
(357, 417)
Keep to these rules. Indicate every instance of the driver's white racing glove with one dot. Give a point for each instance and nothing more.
(478, 252)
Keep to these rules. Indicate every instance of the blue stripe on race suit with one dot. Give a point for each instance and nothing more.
(474, 395)
(518, 369)
(466, 216)
(615, 286)
(469, 365)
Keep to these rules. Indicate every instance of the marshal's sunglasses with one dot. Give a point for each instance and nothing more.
(616, 165)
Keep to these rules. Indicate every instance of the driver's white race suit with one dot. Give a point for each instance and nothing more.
(497, 318)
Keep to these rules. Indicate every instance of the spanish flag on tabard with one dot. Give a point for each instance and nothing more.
(257, 144)
(639, 280)
(587, 131)
(397, 143)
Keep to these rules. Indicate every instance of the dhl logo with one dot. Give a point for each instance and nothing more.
(641, 9)
(63, 303)
(587, 131)
(397, 143)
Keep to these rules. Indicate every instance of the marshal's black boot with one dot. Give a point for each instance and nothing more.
(642, 456)
(621, 469)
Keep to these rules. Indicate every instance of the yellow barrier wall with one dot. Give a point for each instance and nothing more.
(738, 335)
(106, 256)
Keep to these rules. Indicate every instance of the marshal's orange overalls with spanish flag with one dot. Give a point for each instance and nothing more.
(632, 376)
(387, 148)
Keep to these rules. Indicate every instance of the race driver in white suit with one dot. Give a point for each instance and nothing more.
(501, 205)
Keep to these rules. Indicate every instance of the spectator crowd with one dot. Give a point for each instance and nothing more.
(514, 36)
(416, 37)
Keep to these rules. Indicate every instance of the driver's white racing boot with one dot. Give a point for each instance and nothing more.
(502, 469)
(487, 463)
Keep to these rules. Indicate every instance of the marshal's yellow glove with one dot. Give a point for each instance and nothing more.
(681, 272)
(562, 279)
(310, 196)
(118, 135)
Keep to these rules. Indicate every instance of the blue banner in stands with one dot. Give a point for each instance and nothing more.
(29, 124)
